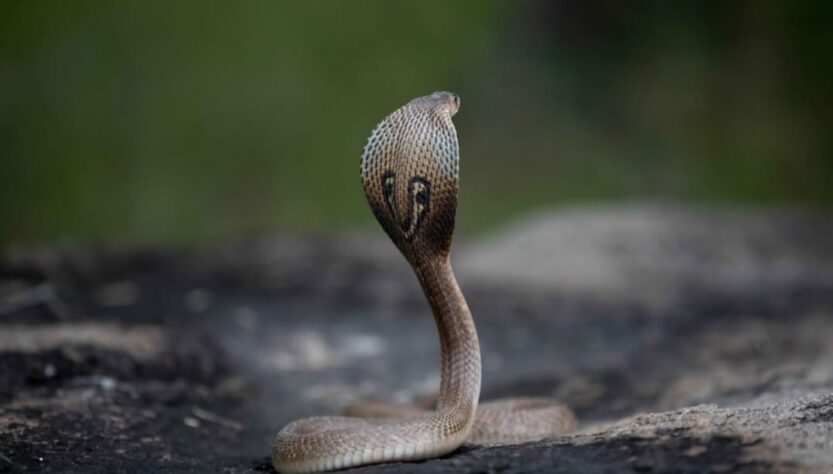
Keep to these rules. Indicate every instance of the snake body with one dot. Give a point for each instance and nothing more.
(410, 169)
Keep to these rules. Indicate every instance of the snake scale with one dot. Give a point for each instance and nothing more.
(410, 172)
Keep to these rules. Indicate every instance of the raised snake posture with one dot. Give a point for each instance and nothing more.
(409, 169)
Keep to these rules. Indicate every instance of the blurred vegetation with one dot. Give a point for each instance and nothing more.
(196, 121)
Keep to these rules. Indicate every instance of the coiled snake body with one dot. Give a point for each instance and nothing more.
(409, 169)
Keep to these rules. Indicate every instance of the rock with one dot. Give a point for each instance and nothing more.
(685, 340)
(655, 254)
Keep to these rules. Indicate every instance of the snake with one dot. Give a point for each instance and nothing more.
(410, 174)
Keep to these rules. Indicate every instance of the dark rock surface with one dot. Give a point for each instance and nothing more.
(123, 359)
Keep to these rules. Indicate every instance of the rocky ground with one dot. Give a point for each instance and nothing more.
(685, 340)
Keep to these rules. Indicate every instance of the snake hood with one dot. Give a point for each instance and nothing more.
(410, 169)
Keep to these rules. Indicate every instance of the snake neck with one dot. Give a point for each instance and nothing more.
(459, 346)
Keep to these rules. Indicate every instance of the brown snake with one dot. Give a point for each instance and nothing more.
(410, 170)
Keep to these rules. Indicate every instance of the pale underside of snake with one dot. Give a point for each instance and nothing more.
(409, 170)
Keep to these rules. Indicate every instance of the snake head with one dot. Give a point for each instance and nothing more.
(409, 169)
(452, 99)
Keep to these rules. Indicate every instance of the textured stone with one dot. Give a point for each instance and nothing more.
(108, 366)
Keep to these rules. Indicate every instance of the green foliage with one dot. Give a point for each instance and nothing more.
(196, 121)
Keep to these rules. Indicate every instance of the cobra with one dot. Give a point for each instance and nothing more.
(410, 173)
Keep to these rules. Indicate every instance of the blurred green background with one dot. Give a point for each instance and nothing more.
(193, 121)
